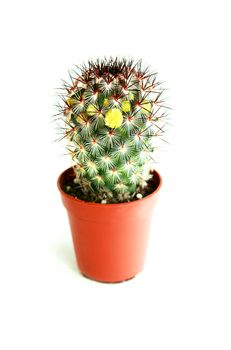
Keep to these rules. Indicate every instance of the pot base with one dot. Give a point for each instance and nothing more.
(93, 279)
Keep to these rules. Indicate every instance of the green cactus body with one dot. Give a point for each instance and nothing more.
(112, 115)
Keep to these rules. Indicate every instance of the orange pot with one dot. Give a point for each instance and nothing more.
(110, 240)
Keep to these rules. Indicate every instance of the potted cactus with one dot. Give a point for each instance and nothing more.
(112, 113)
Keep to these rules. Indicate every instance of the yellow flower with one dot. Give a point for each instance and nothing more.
(91, 110)
(146, 107)
(106, 102)
(71, 102)
(114, 118)
(126, 106)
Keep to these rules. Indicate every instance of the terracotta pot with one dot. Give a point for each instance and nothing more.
(110, 240)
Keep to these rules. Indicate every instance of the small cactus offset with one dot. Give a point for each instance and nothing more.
(113, 113)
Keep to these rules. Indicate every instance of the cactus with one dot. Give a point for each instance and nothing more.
(113, 113)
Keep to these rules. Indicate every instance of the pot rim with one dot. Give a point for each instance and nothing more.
(107, 205)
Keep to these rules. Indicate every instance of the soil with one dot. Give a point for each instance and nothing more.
(73, 189)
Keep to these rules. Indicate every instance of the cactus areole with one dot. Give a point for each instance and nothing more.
(112, 115)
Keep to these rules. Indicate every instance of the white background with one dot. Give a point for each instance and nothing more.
(182, 299)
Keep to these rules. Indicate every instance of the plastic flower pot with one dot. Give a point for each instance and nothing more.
(110, 240)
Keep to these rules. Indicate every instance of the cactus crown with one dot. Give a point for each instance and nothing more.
(113, 112)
